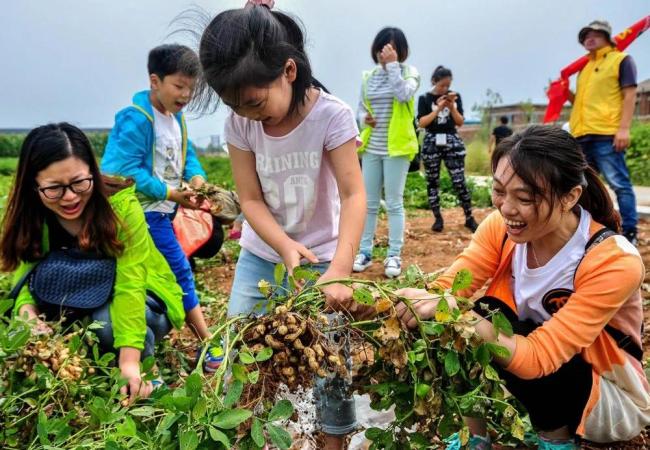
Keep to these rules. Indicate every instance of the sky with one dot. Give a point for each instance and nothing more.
(81, 61)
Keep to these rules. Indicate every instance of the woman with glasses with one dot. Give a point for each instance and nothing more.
(60, 204)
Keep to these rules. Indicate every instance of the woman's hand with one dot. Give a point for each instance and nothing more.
(293, 252)
(370, 121)
(130, 368)
(424, 305)
(387, 55)
(31, 312)
(442, 102)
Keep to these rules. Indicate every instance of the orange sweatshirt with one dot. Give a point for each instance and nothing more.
(606, 290)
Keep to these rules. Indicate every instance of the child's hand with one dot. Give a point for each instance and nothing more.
(196, 182)
(293, 252)
(337, 296)
(186, 199)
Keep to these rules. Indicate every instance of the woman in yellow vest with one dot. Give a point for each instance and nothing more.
(386, 113)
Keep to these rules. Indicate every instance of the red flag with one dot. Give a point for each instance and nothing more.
(558, 91)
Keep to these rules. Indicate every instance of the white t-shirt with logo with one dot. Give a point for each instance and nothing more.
(296, 175)
(539, 292)
(167, 161)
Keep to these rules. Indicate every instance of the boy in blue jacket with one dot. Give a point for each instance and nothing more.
(149, 144)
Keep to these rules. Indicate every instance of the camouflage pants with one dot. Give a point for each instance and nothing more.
(453, 154)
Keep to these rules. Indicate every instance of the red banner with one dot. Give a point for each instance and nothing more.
(558, 91)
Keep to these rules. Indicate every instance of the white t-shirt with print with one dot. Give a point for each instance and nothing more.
(296, 175)
(538, 292)
(167, 161)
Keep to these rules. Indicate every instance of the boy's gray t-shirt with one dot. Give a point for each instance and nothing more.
(167, 161)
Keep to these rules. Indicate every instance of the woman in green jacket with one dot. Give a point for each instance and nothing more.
(60, 201)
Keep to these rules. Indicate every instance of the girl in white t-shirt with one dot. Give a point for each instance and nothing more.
(293, 154)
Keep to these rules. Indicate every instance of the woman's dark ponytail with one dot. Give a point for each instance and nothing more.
(597, 201)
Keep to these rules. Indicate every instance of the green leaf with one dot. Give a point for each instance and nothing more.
(518, 429)
(233, 394)
(188, 440)
(279, 437)
(257, 433)
(419, 441)
(502, 324)
(167, 421)
(462, 280)
(498, 350)
(305, 274)
(452, 365)
(491, 373)
(219, 436)
(105, 359)
(182, 403)
(264, 354)
(254, 376)
(240, 373)
(363, 296)
(432, 329)
(413, 274)
(281, 411)
(5, 305)
(421, 390)
(127, 427)
(278, 274)
(147, 364)
(200, 408)
(142, 411)
(482, 355)
(373, 434)
(230, 419)
(246, 358)
(193, 385)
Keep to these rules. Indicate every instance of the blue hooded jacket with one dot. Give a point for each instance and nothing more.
(131, 149)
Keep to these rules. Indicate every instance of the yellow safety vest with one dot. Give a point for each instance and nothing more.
(402, 139)
(598, 104)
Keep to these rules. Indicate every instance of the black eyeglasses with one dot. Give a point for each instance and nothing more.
(57, 191)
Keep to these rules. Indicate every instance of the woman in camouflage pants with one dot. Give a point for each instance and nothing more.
(440, 111)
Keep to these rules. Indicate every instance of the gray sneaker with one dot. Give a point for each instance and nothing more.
(393, 266)
(361, 262)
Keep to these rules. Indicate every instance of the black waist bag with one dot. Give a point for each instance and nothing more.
(71, 278)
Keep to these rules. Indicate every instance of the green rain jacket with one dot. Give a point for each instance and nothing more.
(140, 268)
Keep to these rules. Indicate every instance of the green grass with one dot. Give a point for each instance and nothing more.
(477, 161)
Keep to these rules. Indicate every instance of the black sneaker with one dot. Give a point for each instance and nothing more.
(630, 235)
(471, 224)
(438, 225)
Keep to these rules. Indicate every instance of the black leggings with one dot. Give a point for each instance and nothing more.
(555, 400)
(454, 157)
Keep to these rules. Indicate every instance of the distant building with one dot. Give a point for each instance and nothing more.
(642, 107)
(522, 114)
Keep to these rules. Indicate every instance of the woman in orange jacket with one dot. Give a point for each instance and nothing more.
(570, 286)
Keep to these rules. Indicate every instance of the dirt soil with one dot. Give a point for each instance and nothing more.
(435, 251)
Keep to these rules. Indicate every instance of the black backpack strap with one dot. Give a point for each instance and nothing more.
(623, 340)
(598, 237)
